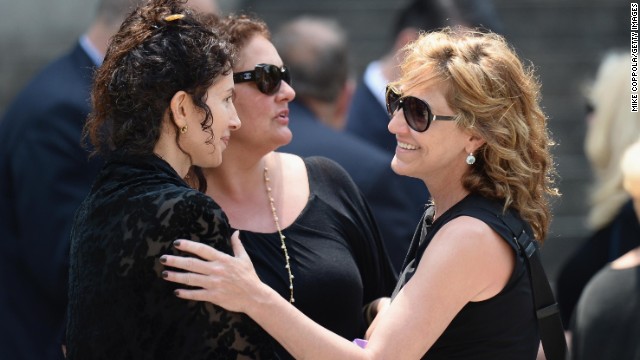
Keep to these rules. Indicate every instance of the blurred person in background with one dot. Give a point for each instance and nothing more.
(44, 175)
(606, 323)
(316, 52)
(611, 128)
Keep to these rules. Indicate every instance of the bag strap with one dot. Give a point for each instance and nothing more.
(547, 310)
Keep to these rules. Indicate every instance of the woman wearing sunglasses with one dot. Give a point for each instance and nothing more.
(467, 121)
(306, 226)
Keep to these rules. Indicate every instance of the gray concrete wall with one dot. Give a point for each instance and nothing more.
(32, 32)
(565, 39)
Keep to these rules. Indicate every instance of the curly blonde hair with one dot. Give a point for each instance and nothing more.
(497, 99)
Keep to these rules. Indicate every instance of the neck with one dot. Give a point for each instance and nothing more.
(168, 151)
(447, 201)
(238, 177)
(446, 188)
(99, 33)
(445, 194)
(326, 113)
(240, 190)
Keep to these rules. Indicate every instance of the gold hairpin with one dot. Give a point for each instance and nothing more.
(173, 17)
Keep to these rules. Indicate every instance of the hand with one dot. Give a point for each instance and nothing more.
(224, 280)
(381, 305)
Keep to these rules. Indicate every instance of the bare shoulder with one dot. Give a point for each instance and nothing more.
(291, 186)
(290, 162)
(466, 230)
(476, 250)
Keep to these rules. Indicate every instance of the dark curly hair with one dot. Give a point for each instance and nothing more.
(162, 47)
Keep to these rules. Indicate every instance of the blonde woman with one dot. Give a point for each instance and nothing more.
(611, 128)
(607, 318)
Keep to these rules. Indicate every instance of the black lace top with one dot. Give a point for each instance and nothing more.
(119, 305)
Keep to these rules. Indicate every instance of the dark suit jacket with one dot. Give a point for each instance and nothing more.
(396, 210)
(368, 120)
(44, 175)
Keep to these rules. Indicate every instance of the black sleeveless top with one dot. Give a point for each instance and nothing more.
(502, 327)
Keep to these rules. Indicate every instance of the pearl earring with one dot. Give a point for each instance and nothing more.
(471, 159)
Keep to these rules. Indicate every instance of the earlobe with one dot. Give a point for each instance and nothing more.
(180, 106)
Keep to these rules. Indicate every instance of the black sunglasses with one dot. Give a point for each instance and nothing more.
(417, 112)
(266, 76)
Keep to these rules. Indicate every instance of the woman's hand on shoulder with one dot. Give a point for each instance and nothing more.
(224, 280)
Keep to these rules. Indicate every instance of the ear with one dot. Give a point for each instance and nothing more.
(181, 106)
(474, 142)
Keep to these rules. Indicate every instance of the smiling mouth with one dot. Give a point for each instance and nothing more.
(407, 146)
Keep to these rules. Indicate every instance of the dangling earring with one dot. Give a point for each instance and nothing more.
(471, 159)
(183, 129)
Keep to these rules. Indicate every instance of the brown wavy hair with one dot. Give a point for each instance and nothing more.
(238, 29)
(153, 56)
(497, 98)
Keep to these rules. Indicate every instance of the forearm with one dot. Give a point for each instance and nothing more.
(299, 335)
(232, 283)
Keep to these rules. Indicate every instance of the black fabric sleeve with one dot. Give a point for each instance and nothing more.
(378, 276)
(120, 273)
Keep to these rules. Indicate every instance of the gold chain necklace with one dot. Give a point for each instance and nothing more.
(283, 246)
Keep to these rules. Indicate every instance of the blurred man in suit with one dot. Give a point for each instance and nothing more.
(44, 175)
(367, 117)
(316, 52)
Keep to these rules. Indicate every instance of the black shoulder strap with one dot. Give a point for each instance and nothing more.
(547, 311)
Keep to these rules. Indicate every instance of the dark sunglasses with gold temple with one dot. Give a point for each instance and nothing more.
(266, 76)
(417, 112)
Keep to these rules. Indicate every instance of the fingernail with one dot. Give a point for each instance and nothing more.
(163, 259)
(176, 293)
(165, 274)
(176, 243)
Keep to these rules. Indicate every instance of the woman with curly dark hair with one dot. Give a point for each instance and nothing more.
(162, 103)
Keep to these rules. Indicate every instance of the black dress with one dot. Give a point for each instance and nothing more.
(337, 256)
(119, 305)
(503, 327)
(607, 318)
(605, 245)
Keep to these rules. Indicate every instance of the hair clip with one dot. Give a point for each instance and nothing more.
(173, 17)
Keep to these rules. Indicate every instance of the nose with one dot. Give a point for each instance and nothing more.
(286, 92)
(397, 124)
(234, 122)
